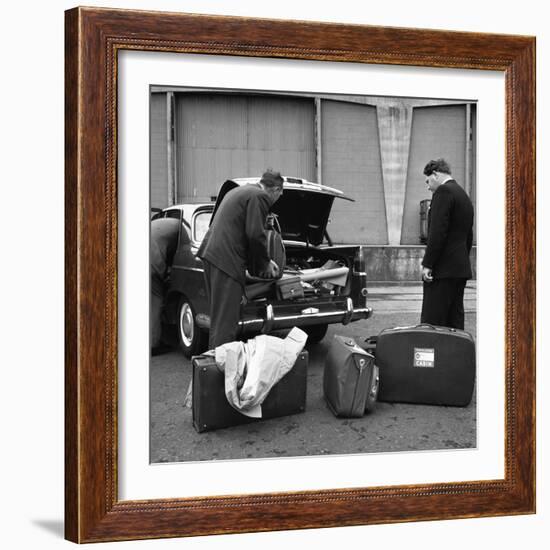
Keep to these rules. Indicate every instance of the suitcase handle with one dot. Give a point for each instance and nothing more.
(436, 328)
(426, 325)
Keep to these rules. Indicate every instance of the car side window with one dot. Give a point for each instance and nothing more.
(175, 213)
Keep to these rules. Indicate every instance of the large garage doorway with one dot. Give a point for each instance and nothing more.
(351, 162)
(442, 131)
(222, 136)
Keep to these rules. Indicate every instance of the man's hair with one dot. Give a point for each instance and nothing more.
(271, 179)
(439, 165)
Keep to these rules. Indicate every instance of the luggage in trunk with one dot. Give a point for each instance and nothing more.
(289, 288)
(275, 247)
(350, 379)
(426, 364)
(212, 411)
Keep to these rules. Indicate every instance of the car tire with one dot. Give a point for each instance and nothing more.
(192, 340)
(315, 333)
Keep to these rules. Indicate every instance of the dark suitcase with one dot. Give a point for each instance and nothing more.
(275, 246)
(350, 378)
(424, 208)
(212, 411)
(426, 364)
(369, 345)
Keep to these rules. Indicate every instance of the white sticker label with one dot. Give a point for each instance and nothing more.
(424, 357)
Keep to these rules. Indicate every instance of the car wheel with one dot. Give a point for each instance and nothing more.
(192, 339)
(315, 333)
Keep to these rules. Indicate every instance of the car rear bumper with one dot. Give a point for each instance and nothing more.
(273, 319)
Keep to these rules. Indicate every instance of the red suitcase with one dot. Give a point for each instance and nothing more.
(212, 411)
(426, 364)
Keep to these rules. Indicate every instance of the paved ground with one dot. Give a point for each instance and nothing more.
(391, 427)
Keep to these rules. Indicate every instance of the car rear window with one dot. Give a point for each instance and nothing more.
(202, 222)
(173, 214)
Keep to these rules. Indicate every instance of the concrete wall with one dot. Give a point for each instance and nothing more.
(399, 263)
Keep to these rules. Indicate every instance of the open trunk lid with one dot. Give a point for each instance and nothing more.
(303, 209)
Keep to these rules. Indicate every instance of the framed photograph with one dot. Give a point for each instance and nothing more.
(164, 114)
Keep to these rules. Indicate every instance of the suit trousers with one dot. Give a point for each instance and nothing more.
(443, 303)
(156, 309)
(224, 298)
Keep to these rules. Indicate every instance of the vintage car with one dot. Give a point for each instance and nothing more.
(303, 214)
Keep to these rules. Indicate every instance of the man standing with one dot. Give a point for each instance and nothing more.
(164, 241)
(446, 263)
(237, 234)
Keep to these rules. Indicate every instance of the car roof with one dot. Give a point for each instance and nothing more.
(298, 184)
(189, 209)
(187, 206)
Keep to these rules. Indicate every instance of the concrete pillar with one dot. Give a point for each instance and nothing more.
(394, 128)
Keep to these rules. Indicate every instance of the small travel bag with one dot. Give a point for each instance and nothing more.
(289, 288)
(426, 364)
(212, 411)
(350, 380)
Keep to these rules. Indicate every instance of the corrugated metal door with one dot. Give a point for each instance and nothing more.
(223, 136)
(351, 162)
(436, 132)
(159, 158)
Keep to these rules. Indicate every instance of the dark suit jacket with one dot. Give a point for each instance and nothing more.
(450, 232)
(237, 232)
(164, 240)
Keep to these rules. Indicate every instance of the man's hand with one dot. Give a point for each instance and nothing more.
(271, 271)
(427, 275)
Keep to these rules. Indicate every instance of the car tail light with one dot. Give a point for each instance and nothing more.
(359, 262)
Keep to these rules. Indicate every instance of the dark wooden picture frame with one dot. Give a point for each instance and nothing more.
(93, 511)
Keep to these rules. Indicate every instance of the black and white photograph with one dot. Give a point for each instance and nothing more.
(312, 274)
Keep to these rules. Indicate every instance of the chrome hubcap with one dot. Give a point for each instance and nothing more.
(187, 328)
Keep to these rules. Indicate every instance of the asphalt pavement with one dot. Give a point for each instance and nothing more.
(389, 428)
